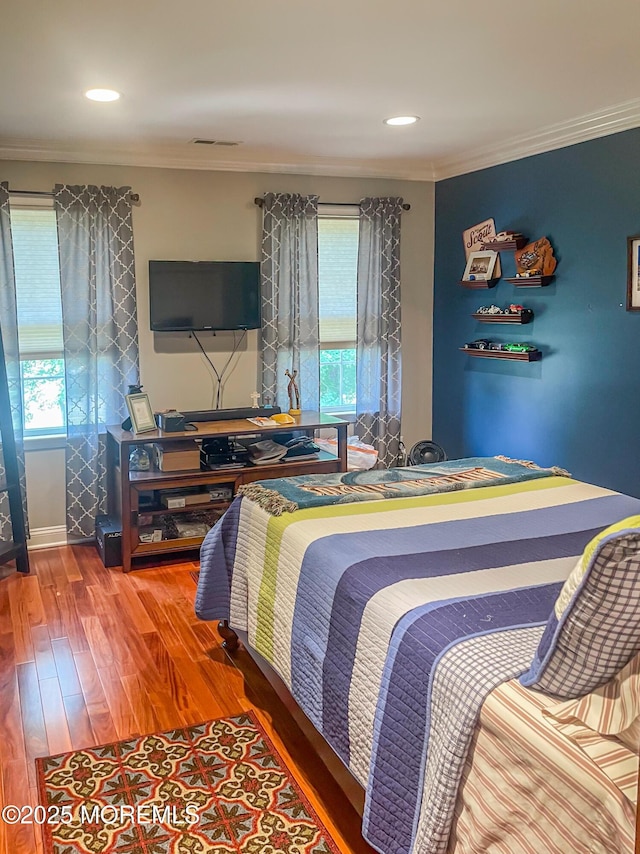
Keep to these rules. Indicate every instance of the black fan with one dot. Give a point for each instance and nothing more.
(424, 452)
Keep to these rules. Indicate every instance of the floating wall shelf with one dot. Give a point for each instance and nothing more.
(534, 356)
(506, 245)
(525, 317)
(478, 283)
(530, 281)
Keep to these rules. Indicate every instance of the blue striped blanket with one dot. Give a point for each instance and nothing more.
(288, 494)
(390, 622)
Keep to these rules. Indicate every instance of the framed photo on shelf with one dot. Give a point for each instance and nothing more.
(480, 265)
(142, 417)
(633, 273)
(474, 237)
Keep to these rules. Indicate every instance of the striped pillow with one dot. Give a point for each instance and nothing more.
(613, 709)
(594, 630)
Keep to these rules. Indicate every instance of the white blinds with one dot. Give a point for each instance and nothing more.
(37, 272)
(337, 280)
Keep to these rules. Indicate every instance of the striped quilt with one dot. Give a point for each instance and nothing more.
(391, 621)
(533, 788)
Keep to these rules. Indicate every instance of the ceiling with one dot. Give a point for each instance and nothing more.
(305, 86)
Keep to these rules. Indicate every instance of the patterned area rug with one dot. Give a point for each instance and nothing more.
(216, 788)
(195, 574)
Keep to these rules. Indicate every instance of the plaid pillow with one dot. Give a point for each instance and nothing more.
(588, 640)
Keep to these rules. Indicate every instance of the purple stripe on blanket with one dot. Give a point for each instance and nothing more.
(363, 580)
(217, 557)
(394, 792)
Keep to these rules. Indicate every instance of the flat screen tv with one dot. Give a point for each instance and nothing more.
(195, 295)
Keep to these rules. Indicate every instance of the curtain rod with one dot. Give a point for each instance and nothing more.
(260, 201)
(133, 197)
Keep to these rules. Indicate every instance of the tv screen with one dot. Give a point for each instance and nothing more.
(187, 295)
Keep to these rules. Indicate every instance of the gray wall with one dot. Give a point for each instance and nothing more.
(211, 216)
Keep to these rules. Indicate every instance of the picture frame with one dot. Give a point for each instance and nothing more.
(480, 265)
(633, 273)
(142, 418)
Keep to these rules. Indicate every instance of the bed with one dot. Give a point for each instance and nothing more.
(396, 606)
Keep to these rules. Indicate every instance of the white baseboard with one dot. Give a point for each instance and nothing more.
(44, 538)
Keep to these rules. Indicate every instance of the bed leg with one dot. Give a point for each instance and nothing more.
(230, 642)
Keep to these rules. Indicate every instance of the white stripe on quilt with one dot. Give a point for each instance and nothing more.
(388, 605)
(300, 535)
(248, 567)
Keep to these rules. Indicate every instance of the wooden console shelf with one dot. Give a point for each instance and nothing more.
(125, 487)
(534, 356)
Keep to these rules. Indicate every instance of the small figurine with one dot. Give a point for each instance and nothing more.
(292, 391)
(255, 397)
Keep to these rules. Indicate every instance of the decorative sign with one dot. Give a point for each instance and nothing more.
(535, 259)
(474, 237)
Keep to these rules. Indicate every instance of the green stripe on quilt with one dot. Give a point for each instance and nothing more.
(277, 526)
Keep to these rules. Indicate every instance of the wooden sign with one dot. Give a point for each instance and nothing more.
(536, 259)
(474, 237)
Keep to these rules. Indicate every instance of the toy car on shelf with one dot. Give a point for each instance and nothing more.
(519, 348)
(489, 309)
(516, 309)
(479, 344)
(503, 236)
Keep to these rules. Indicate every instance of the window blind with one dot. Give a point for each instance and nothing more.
(337, 280)
(35, 257)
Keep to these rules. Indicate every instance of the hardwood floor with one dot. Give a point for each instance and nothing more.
(89, 655)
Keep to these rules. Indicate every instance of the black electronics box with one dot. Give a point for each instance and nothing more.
(171, 422)
(223, 451)
(109, 540)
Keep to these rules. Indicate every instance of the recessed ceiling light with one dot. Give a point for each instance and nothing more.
(102, 94)
(402, 120)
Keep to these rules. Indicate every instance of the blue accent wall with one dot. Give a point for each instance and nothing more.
(579, 407)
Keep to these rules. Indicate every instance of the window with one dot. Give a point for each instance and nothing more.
(337, 284)
(37, 272)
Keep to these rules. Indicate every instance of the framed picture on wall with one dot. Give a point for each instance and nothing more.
(480, 265)
(633, 273)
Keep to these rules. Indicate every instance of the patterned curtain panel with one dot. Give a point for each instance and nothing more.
(9, 326)
(378, 361)
(100, 331)
(289, 338)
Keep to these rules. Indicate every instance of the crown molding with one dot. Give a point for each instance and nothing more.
(174, 157)
(615, 119)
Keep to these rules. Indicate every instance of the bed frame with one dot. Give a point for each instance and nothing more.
(350, 787)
